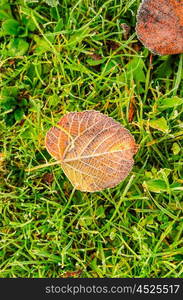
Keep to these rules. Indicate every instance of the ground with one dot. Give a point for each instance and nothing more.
(82, 55)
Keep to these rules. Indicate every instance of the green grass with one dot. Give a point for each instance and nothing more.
(75, 57)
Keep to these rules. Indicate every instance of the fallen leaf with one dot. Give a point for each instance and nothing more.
(95, 56)
(94, 151)
(126, 30)
(159, 26)
(131, 112)
(48, 178)
(71, 274)
(2, 159)
(113, 45)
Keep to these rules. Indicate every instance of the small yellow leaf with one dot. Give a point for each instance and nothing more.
(159, 124)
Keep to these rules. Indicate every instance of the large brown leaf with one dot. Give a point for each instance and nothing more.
(95, 152)
(160, 26)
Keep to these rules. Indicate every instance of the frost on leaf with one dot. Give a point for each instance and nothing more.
(160, 26)
(95, 152)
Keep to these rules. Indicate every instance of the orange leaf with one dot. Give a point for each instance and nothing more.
(159, 26)
(131, 111)
(95, 152)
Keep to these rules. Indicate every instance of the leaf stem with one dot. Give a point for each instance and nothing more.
(44, 166)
